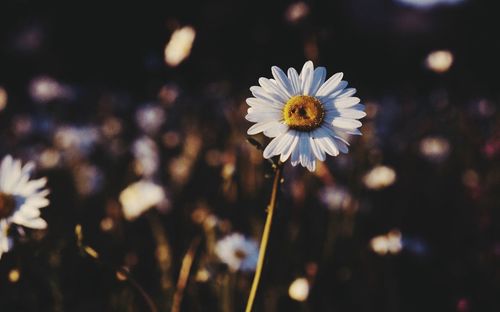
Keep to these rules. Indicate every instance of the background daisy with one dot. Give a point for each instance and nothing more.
(238, 252)
(20, 199)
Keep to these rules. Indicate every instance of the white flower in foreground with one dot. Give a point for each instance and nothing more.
(139, 197)
(306, 116)
(238, 252)
(20, 199)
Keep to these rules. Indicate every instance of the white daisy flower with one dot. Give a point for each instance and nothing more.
(238, 252)
(20, 199)
(306, 116)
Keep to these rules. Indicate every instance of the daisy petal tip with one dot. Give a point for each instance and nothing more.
(284, 158)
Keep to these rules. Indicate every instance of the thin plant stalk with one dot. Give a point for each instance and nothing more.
(163, 252)
(265, 237)
(187, 263)
(137, 286)
(93, 254)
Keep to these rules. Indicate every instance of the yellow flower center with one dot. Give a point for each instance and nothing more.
(303, 113)
(7, 205)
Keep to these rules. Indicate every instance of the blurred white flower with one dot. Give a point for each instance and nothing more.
(45, 89)
(435, 149)
(425, 4)
(141, 196)
(335, 198)
(150, 118)
(439, 61)
(179, 46)
(379, 177)
(304, 114)
(238, 252)
(3, 98)
(299, 289)
(48, 158)
(76, 140)
(388, 243)
(296, 12)
(147, 159)
(20, 199)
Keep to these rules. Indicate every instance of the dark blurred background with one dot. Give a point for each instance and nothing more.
(419, 235)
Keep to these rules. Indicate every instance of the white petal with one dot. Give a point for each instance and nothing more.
(348, 131)
(37, 223)
(20, 184)
(346, 123)
(12, 176)
(28, 167)
(32, 186)
(269, 150)
(324, 135)
(345, 102)
(341, 145)
(317, 151)
(38, 202)
(284, 143)
(295, 158)
(305, 150)
(272, 87)
(259, 109)
(282, 80)
(261, 126)
(330, 85)
(329, 146)
(347, 92)
(5, 171)
(29, 212)
(291, 147)
(352, 113)
(276, 130)
(260, 93)
(255, 102)
(264, 116)
(294, 79)
(339, 138)
(318, 80)
(336, 91)
(312, 165)
(306, 77)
